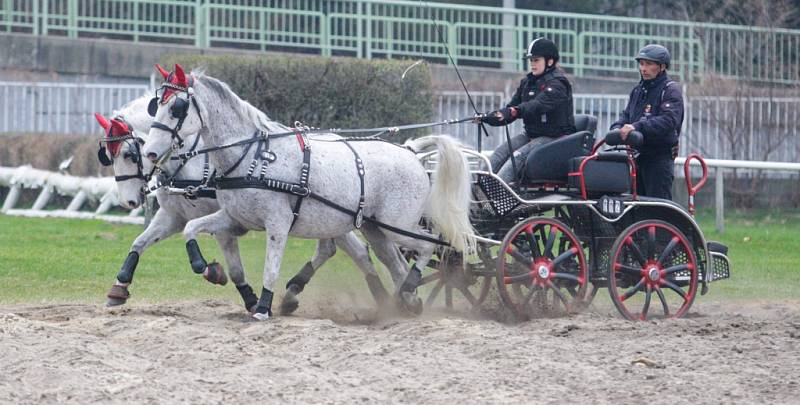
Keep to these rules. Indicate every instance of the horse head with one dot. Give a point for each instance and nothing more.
(175, 112)
(121, 149)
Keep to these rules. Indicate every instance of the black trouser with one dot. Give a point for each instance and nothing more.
(522, 144)
(654, 176)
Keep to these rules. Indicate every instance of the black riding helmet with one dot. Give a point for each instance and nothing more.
(655, 53)
(542, 47)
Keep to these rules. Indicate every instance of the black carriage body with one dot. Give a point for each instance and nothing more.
(597, 225)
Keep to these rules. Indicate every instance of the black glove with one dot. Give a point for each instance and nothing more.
(498, 118)
(508, 114)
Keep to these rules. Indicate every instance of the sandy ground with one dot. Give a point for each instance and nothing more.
(209, 352)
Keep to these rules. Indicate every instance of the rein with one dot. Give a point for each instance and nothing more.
(318, 131)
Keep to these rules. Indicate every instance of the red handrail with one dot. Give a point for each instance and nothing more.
(693, 189)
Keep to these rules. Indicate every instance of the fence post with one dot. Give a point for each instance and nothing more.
(6, 15)
(200, 23)
(35, 18)
(508, 43)
(719, 200)
(13, 196)
(72, 18)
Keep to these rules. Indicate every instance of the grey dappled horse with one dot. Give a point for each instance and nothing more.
(396, 188)
(131, 123)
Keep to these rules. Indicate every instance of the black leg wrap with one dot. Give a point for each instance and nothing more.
(125, 274)
(301, 278)
(412, 280)
(249, 298)
(195, 257)
(265, 302)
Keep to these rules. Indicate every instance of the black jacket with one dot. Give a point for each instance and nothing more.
(655, 108)
(545, 104)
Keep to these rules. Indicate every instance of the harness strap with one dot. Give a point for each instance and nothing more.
(304, 172)
(359, 217)
(227, 183)
(241, 158)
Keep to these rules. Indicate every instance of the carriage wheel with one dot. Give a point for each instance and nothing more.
(652, 258)
(451, 275)
(541, 269)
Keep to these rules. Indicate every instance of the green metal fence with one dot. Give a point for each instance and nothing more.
(477, 36)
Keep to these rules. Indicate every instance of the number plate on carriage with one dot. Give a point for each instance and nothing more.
(610, 206)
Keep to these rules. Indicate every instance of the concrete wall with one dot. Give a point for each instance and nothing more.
(29, 57)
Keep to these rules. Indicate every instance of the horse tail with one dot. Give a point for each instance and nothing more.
(450, 196)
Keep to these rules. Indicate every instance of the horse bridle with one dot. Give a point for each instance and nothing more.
(135, 156)
(179, 110)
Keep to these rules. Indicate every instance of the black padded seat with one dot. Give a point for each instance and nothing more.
(585, 122)
(549, 163)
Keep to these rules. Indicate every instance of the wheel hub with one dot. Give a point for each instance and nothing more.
(653, 274)
(544, 272)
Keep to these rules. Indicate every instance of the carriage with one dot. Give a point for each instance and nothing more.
(574, 224)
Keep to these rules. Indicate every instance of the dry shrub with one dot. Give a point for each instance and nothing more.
(46, 151)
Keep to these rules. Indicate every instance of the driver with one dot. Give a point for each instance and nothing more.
(543, 101)
(655, 108)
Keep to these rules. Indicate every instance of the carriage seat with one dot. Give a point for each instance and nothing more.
(549, 163)
(608, 174)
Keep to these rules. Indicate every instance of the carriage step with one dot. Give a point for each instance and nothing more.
(720, 265)
(717, 247)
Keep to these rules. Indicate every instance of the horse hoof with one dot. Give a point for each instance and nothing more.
(409, 302)
(215, 274)
(289, 305)
(261, 317)
(114, 302)
(118, 295)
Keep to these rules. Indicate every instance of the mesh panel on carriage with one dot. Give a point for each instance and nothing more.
(498, 197)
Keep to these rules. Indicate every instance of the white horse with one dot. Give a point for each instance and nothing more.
(396, 189)
(130, 124)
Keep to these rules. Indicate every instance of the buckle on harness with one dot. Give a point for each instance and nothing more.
(299, 190)
(359, 219)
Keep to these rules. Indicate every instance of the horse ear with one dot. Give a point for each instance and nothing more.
(120, 127)
(102, 121)
(180, 76)
(162, 71)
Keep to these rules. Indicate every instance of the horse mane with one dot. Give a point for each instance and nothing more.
(135, 113)
(245, 110)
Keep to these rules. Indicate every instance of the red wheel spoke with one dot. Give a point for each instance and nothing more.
(667, 250)
(646, 306)
(560, 295)
(431, 277)
(628, 269)
(533, 244)
(524, 278)
(527, 299)
(567, 276)
(468, 295)
(516, 254)
(663, 300)
(434, 292)
(636, 252)
(651, 242)
(675, 269)
(548, 247)
(673, 287)
(564, 256)
(632, 290)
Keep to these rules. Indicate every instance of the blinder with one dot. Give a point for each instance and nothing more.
(102, 156)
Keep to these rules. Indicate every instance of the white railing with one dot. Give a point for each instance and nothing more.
(718, 166)
(60, 107)
(81, 189)
(763, 128)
